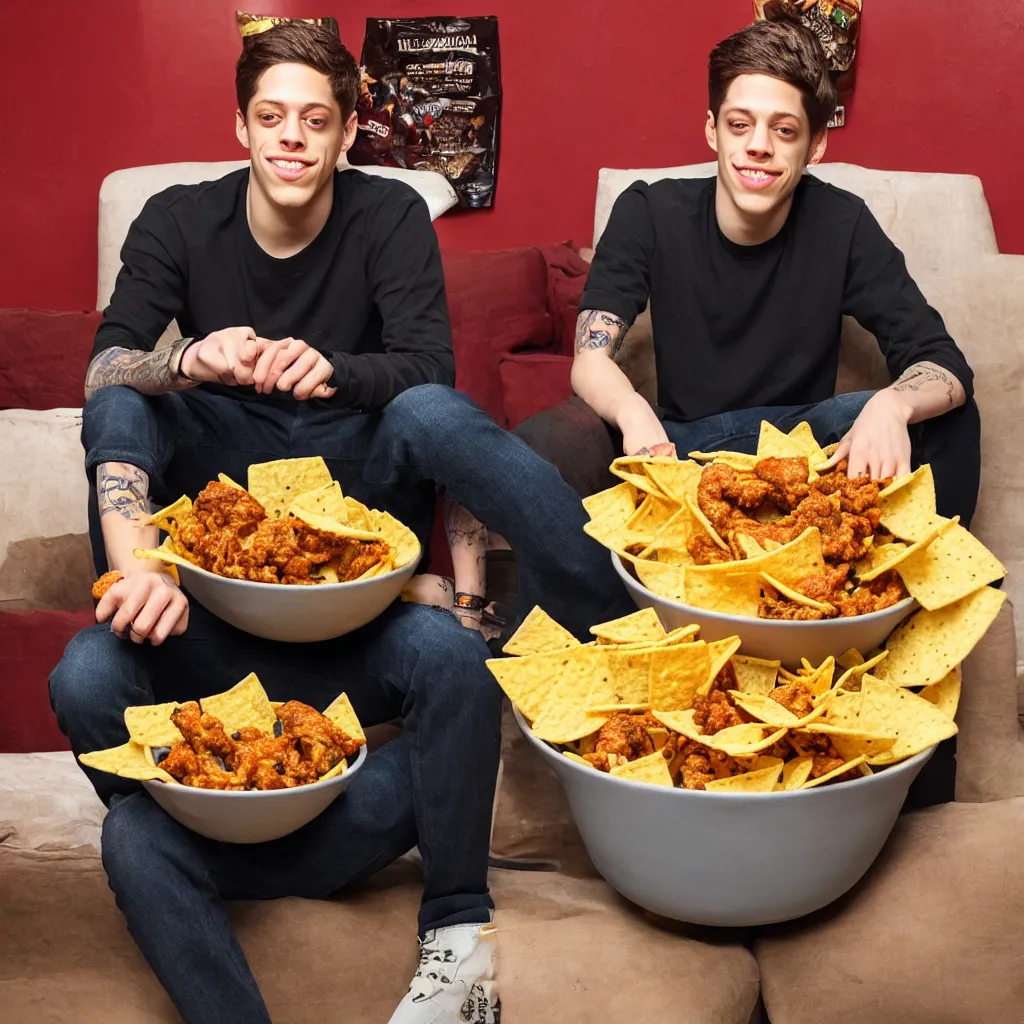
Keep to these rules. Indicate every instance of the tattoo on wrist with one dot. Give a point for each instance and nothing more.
(916, 377)
(123, 489)
(149, 373)
(597, 329)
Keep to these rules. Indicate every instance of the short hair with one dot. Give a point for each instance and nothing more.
(295, 42)
(782, 48)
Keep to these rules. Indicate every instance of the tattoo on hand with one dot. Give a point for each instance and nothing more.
(916, 377)
(123, 489)
(149, 373)
(597, 329)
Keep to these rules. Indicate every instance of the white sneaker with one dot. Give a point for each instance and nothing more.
(454, 983)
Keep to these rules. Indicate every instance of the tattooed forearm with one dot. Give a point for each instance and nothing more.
(597, 329)
(124, 489)
(149, 373)
(919, 375)
(467, 539)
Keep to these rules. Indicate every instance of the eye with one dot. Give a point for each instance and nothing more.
(268, 118)
(786, 132)
(738, 126)
(316, 122)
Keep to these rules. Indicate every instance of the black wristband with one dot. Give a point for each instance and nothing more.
(469, 602)
(181, 358)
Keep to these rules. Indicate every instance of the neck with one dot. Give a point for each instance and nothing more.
(284, 231)
(744, 229)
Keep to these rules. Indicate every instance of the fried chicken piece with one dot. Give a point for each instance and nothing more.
(696, 771)
(202, 732)
(794, 697)
(774, 606)
(626, 735)
(220, 506)
(321, 741)
(857, 496)
(357, 556)
(270, 762)
(787, 479)
(828, 586)
(722, 491)
(105, 582)
(696, 765)
(726, 678)
(842, 534)
(204, 759)
(704, 551)
(716, 712)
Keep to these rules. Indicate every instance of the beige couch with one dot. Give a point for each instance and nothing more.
(931, 935)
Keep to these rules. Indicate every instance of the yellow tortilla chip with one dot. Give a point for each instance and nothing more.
(615, 709)
(639, 626)
(795, 595)
(705, 523)
(168, 519)
(749, 546)
(633, 471)
(804, 437)
(652, 769)
(150, 725)
(740, 461)
(225, 479)
(755, 675)
(954, 565)
(736, 593)
(929, 645)
(275, 485)
(540, 634)
(339, 769)
(772, 443)
(404, 544)
(835, 773)
(852, 743)
(771, 712)
(900, 557)
(907, 505)
(761, 780)
(343, 715)
(128, 761)
(562, 724)
(615, 503)
(324, 501)
(916, 723)
(167, 554)
(662, 579)
(721, 652)
(330, 526)
(945, 694)
(743, 739)
(676, 673)
(849, 658)
(796, 772)
(677, 480)
(245, 704)
(579, 760)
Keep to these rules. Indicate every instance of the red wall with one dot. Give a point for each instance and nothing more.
(90, 86)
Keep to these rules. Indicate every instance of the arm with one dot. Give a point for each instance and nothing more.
(405, 273)
(617, 290)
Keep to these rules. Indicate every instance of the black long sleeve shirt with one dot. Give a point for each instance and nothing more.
(367, 292)
(737, 326)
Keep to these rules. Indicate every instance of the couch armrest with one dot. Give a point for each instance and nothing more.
(573, 438)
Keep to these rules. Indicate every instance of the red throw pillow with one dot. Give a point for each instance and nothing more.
(498, 303)
(567, 277)
(533, 382)
(43, 356)
(32, 644)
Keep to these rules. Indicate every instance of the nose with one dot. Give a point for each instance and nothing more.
(759, 142)
(292, 137)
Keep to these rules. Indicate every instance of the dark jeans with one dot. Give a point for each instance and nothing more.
(433, 786)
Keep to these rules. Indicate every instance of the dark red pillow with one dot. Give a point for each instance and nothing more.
(567, 277)
(32, 644)
(498, 302)
(43, 356)
(533, 382)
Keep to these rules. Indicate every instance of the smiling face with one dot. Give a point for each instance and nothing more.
(294, 131)
(763, 140)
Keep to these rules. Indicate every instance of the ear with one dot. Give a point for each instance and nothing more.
(241, 132)
(818, 146)
(711, 132)
(348, 133)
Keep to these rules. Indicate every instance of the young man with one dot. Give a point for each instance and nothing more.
(311, 300)
(748, 275)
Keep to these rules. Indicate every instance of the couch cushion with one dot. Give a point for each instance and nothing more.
(567, 275)
(933, 218)
(569, 951)
(931, 934)
(498, 303)
(43, 356)
(532, 382)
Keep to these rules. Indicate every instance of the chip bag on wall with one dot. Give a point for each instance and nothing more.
(254, 24)
(430, 99)
(836, 23)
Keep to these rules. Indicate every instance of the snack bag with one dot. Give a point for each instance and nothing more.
(836, 23)
(430, 100)
(254, 24)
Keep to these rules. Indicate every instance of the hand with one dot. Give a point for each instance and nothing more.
(642, 431)
(145, 606)
(228, 356)
(877, 445)
(292, 365)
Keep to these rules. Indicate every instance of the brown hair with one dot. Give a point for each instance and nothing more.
(781, 48)
(295, 42)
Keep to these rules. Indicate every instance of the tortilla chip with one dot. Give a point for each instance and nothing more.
(150, 725)
(852, 743)
(615, 503)
(128, 761)
(561, 724)
(721, 652)
(338, 769)
(945, 694)
(796, 772)
(771, 712)
(820, 679)
(275, 485)
(849, 658)
(324, 501)
(804, 437)
(929, 645)
(772, 443)
(328, 525)
(343, 715)
(662, 579)
(916, 723)
(900, 557)
(225, 479)
(676, 673)
(615, 709)
(168, 555)
(743, 739)
(677, 480)
(705, 523)
(736, 593)
(761, 780)
(579, 760)
(634, 628)
(794, 595)
(539, 634)
(954, 565)
(245, 704)
(740, 461)
(529, 681)
(652, 769)
(908, 505)
(755, 675)
(404, 544)
(749, 546)
(835, 773)
(168, 519)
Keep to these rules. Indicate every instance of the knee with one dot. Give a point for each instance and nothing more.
(115, 416)
(430, 404)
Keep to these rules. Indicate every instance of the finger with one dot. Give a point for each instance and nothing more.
(284, 359)
(130, 608)
(886, 468)
(111, 601)
(323, 392)
(302, 368)
(840, 453)
(182, 624)
(858, 462)
(265, 361)
(143, 623)
(171, 615)
(315, 378)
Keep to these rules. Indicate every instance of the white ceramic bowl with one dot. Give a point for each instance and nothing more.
(787, 641)
(296, 614)
(253, 816)
(731, 859)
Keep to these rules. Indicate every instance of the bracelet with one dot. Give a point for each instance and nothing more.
(470, 602)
